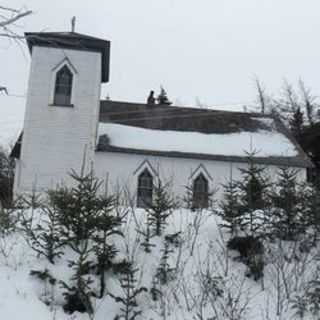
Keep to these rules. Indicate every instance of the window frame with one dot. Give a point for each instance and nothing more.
(59, 85)
(64, 63)
(200, 198)
(144, 189)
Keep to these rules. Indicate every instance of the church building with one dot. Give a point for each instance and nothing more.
(131, 145)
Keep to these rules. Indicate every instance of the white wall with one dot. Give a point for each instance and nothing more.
(54, 138)
(121, 170)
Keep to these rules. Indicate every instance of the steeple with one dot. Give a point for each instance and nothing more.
(73, 40)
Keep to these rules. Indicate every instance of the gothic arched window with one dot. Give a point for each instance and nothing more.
(63, 87)
(145, 188)
(200, 192)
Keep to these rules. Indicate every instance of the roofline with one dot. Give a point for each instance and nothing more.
(276, 161)
(209, 109)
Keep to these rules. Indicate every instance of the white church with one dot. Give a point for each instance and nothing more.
(130, 145)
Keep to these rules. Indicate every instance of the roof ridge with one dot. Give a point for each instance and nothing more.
(185, 108)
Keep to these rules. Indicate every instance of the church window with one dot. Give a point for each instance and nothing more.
(145, 188)
(200, 192)
(63, 86)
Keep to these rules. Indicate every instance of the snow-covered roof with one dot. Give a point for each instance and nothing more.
(196, 133)
(266, 143)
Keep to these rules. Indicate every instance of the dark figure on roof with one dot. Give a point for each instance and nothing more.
(151, 99)
(4, 90)
(163, 98)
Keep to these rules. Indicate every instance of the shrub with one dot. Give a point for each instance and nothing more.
(6, 179)
(251, 253)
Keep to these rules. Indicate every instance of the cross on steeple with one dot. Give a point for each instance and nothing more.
(73, 24)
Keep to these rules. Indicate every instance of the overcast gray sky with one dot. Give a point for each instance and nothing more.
(210, 49)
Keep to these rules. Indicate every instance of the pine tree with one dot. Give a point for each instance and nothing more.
(296, 124)
(87, 224)
(107, 225)
(79, 208)
(161, 208)
(310, 215)
(147, 234)
(286, 215)
(78, 296)
(129, 306)
(7, 165)
(155, 290)
(253, 196)
(163, 98)
(164, 271)
(44, 235)
(9, 218)
(230, 207)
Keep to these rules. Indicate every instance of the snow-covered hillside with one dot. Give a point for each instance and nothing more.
(206, 279)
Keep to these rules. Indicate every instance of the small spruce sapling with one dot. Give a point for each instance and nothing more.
(147, 234)
(9, 218)
(230, 207)
(129, 306)
(161, 208)
(253, 188)
(78, 296)
(163, 97)
(311, 209)
(107, 225)
(7, 165)
(79, 208)
(165, 271)
(286, 215)
(44, 235)
(82, 214)
(296, 124)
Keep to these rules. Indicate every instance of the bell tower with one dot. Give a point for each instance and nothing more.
(62, 106)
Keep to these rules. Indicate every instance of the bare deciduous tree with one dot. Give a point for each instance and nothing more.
(9, 27)
(261, 95)
(309, 101)
(8, 22)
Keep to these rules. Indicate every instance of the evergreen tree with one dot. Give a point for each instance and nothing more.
(164, 271)
(9, 218)
(147, 234)
(107, 225)
(44, 233)
(7, 165)
(286, 215)
(253, 188)
(296, 124)
(163, 98)
(310, 215)
(230, 207)
(87, 224)
(78, 296)
(79, 208)
(161, 208)
(129, 306)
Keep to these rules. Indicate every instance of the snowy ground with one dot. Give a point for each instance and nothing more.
(22, 296)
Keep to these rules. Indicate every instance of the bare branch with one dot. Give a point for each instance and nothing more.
(261, 94)
(8, 23)
(9, 9)
(15, 18)
(11, 36)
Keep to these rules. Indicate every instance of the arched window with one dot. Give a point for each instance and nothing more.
(145, 187)
(63, 87)
(200, 192)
